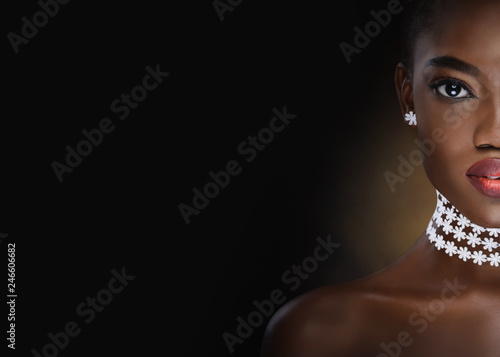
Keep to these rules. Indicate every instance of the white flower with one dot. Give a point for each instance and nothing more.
(479, 257)
(494, 259)
(450, 214)
(473, 239)
(411, 118)
(447, 227)
(439, 221)
(463, 221)
(439, 242)
(489, 244)
(464, 254)
(493, 232)
(450, 248)
(431, 230)
(459, 234)
(478, 229)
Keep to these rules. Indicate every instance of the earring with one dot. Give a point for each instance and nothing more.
(411, 118)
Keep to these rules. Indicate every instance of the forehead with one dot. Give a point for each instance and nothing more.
(467, 30)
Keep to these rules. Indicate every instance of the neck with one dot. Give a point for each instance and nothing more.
(455, 235)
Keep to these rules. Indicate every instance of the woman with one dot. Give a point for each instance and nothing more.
(442, 297)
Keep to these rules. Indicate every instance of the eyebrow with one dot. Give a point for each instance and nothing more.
(453, 63)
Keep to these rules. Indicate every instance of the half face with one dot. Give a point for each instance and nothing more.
(456, 92)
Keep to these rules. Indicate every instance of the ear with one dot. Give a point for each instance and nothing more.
(404, 88)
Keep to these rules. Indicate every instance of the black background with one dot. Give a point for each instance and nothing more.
(119, 208)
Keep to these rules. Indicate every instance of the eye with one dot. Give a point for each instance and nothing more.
(449, 88)
(452, 90)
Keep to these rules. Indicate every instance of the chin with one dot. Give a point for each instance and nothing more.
(481, 210)
(487, 214)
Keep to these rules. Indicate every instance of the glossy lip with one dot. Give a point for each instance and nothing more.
(477, 176)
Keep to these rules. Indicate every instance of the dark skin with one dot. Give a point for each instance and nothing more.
(426, 303)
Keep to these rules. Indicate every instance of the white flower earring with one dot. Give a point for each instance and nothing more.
(411, 118)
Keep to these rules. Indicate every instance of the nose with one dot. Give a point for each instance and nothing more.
(487, 133)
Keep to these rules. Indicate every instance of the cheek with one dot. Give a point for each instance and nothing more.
(444, 131)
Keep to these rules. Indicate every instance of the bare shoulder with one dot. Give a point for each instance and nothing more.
(349, 319)
(322, 322)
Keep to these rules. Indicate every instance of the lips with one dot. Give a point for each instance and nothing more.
(485, 177)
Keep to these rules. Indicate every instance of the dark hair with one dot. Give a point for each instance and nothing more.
(419, 16)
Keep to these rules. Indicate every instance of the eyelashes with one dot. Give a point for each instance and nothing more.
(451, 89)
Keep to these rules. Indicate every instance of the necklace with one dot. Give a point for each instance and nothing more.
(447, 222)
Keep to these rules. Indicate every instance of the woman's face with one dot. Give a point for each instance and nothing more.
(456, 97)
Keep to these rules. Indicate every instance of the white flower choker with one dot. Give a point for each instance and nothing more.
(447, 221)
